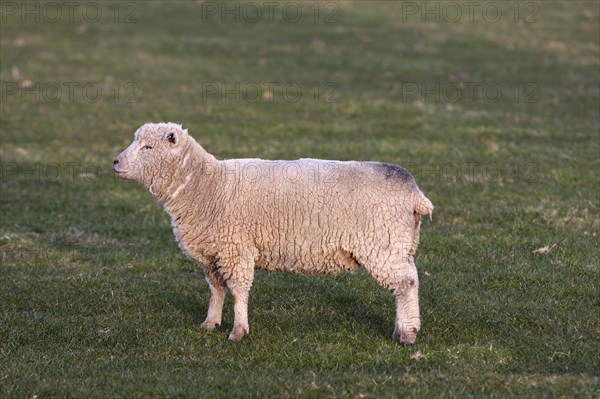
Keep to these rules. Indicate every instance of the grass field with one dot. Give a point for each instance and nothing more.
(96, 299)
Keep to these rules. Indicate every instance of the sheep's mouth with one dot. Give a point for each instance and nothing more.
(123, 174)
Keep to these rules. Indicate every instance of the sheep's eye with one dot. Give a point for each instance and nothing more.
(170, 138)
(147, 147)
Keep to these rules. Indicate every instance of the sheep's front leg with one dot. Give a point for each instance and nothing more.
(238, 273)
(241, 326)
(215, 306)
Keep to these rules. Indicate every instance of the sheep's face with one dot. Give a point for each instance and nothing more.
(152, 155)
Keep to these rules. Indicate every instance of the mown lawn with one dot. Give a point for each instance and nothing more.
(96, 299)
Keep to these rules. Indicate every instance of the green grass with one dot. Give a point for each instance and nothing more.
(97, 301)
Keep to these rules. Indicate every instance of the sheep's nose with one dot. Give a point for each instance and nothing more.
(116, 161)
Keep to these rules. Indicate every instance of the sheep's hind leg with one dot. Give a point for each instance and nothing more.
(408, 321)
(406, 291)
(401, 277)
(217, 298)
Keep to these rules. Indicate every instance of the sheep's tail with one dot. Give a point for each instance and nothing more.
(423, 206)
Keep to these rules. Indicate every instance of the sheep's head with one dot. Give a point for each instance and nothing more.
(153, 155)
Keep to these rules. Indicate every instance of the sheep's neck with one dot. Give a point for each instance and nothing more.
(192, 182)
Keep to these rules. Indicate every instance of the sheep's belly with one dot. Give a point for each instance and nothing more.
(311, 264)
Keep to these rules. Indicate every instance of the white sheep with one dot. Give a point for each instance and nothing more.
(306, 217)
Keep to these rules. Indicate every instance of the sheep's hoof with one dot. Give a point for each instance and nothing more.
(406, 336)
(238, 333)
(209, 325)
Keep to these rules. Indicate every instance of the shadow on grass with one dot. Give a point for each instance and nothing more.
(377, 316)
(306, 304)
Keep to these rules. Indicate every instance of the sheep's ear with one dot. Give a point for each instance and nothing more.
(171, 138)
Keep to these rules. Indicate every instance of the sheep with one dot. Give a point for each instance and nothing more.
(306, 217)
